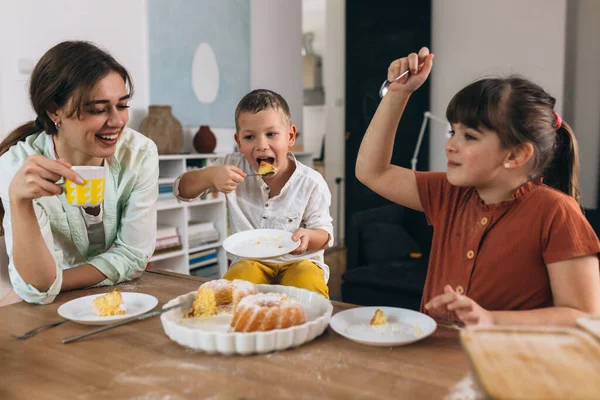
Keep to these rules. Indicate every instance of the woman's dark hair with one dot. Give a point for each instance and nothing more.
(68, 71)
(520, 111)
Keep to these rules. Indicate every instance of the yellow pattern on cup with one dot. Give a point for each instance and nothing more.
(90, 193)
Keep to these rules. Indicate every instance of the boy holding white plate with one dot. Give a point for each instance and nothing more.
(295, 199)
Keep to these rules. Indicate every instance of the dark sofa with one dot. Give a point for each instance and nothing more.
(383, 267)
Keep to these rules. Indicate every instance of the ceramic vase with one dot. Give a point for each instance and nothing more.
(163, 128)
(205, 140)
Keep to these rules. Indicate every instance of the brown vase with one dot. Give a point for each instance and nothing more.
(205, 140)
(164, 129)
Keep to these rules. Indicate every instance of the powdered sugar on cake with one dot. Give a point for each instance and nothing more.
(267, 311)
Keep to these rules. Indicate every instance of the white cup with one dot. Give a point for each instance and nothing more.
(91, 192)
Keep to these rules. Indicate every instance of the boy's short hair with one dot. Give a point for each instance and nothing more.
(262, 99)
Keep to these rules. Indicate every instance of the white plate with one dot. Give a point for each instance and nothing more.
(404, 326)
(213, 335)
(259, 244)
(82, 310)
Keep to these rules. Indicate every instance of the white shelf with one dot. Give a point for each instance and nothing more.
(205, 202)
(190, 156)
(164, 256)
(162, 205)
(174, 204)
(164, 181)
(179, 214)
(206, 247)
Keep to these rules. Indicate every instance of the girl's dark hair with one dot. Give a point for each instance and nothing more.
(262, 99)
(68, 71)
(520, 111)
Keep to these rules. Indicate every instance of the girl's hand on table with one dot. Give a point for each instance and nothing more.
(466, 310)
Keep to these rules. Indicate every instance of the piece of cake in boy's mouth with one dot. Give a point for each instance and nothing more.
(266, 167)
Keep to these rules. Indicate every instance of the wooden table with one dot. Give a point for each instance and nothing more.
(138, 361)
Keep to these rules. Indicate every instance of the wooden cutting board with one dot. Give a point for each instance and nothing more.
(534, 363)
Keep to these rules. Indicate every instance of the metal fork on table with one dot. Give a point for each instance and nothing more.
(37, 330)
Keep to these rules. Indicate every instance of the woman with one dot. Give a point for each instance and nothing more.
(80, 95)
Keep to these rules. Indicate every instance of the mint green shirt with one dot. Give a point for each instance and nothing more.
(129, 219)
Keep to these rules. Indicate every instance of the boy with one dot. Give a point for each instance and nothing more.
(295, 199)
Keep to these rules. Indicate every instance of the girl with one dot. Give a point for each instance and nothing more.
(80, 95)
(510, 245)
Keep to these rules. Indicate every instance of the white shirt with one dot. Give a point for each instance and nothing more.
(304, 202)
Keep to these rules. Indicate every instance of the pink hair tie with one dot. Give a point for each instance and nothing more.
(558, 122)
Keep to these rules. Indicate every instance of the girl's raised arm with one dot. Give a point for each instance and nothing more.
(373, 167)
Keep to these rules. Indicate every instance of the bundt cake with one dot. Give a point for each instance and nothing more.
(219, 295)
(267, 311)
(109, 304)
(379, 318)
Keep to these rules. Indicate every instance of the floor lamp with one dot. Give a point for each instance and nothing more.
(426, 117)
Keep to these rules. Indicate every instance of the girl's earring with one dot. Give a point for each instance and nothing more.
(506, 165)
(56, 124)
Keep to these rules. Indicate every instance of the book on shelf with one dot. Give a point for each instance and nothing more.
(202, 258)
(201, 226)
(166, 231)
(167, 239)
(165, 250)
(195, 163)
(200, 233)
(210, 271)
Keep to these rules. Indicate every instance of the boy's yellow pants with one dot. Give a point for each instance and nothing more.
(302, 274)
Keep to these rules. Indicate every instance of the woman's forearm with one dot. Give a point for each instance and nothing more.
(375, 153)
(31, 256)
(82, 276)
(551, 316)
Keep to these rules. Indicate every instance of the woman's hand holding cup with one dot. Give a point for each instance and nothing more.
(38, 176)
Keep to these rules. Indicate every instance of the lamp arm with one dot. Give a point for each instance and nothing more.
(413, 161)
(426, 116)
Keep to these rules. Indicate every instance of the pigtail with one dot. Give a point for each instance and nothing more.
(563, 172)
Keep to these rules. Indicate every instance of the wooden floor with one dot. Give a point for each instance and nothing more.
(336, 260)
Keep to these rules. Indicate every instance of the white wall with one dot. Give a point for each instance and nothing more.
(30, 27)
(334, 78)
(582, 90)
(475, 38)
(275, 51)
(314, 128)
(313, 20)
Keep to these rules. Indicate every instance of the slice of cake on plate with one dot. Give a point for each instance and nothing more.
(379, 318)
(109, 304)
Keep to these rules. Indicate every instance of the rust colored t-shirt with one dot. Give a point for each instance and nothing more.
(497, 254)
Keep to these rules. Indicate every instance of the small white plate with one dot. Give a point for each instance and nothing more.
(82, 310)
(404, 326)
(260, 244)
